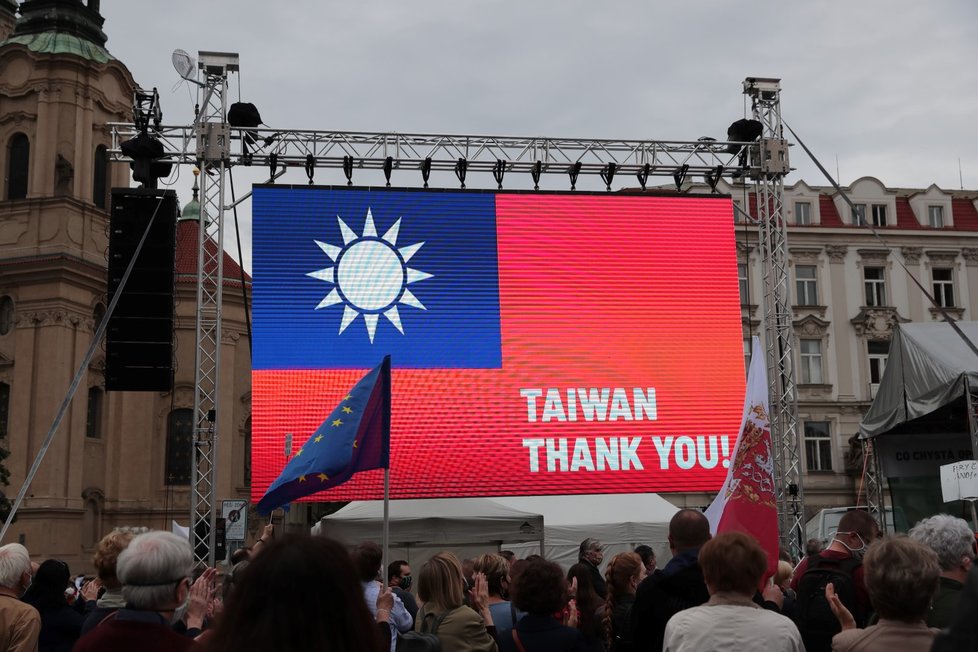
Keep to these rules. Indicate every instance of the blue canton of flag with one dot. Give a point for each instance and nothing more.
(344, 276)
(355, 437)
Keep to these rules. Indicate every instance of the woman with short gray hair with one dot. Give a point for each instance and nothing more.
(954, 542)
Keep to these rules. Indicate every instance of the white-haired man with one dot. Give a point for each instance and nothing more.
(954, 542)
(155, 575)
(20, 624)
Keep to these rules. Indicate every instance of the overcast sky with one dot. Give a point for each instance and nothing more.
(883, 88)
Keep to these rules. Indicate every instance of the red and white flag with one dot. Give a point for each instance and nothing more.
(747, 502)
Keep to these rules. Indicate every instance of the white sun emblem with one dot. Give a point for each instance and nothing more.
(371, 275)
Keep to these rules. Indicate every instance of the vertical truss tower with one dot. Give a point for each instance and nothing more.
(770, 167)
(213, 147)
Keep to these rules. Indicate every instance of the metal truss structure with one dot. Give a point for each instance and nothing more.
(771, 167)
(213, 145)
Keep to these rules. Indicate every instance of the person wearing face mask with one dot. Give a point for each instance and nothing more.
(841, 565)
(591, 554)
(20, 623)
(399, 579)
(155, 574)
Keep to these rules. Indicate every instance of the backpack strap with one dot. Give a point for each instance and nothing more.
(437, 622)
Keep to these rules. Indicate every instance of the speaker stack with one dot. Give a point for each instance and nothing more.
(139, 338)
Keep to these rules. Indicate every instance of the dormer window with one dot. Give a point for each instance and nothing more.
(935, 217)
(879, 214)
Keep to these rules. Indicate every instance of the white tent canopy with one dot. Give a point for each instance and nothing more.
(420, 528)
(928, 367)
(619, 521)
(553, 526)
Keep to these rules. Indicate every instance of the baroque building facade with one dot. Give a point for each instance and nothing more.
(849, 288)
(118, 458)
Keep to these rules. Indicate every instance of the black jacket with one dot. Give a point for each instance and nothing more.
(663, 594)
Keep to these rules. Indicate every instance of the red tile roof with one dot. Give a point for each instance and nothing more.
(828, 214)
(965, 215)
(186, 257)
(905, 218)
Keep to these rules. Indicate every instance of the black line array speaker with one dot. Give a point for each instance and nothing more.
(139, 338)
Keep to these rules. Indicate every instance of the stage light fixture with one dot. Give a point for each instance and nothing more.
(713, 177)
(608, 174)
(679, 176)
(310, 167)
(348, 169)
(426, 170)
(643, 175)
(460, 169)
(535, 172)
(388, 168)
(498, 172)
(573, 172)
(145, 152)
(272, 166)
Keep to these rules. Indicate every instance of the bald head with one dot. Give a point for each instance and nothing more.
(688, 529)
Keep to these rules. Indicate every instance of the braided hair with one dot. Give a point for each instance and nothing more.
(619, 573)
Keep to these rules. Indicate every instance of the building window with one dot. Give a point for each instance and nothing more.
(6, 314)
(818, 446)
(738, 212)
(943, 287)
(803, 213)
(247, 453)
(100, 187)
(878, 352)
(811, 362)
(806, 283)
(743, 283)
(935, 217)
(859, 215)
(93, 423)
(875, 283)
(18, 162)
(879, 214)
(179, 446)
(4, 409)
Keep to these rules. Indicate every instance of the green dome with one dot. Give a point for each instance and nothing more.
(191, 211)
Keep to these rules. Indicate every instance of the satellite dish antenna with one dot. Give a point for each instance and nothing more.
(185, 65)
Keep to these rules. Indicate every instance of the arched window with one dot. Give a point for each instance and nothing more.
(100, 177)
(247, 453)
(93, 423)
(4, 409)
(18, 162)
(6, 314)
(179, 446)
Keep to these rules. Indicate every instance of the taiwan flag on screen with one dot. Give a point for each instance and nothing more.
(541, 343)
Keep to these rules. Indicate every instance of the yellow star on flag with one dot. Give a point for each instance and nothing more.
(354, 444)
(323, 477)
(318, 438)
(348, 409)
(298, 452)
(337, 422)
(348, 397)
(302, 478)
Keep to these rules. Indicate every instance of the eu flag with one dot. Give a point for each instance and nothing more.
(355, 437)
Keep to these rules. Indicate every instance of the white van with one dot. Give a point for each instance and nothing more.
(823, 525)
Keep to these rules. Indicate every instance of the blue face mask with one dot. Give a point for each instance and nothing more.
(405, 582)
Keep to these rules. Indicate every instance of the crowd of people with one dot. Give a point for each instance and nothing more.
(295, 593)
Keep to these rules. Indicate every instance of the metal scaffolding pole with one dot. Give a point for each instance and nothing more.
(771, 154)
(212, 156)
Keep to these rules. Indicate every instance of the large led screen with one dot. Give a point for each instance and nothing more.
(541, 343)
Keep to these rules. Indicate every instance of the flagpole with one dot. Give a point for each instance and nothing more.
(387, 467)
(387, 492)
